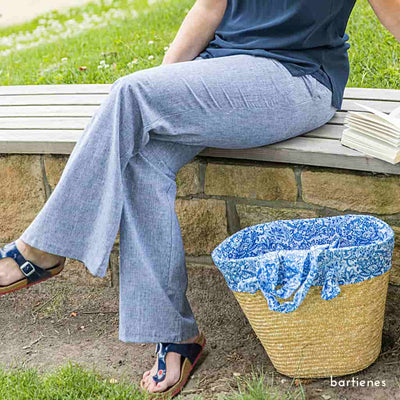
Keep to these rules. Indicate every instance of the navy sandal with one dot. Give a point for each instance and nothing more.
(33, 273)
(190, 354)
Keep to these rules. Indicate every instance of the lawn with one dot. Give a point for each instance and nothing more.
(107, 39)
(94, 44)
(72, 382)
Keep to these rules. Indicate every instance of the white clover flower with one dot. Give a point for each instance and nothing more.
(150, 42)
(166, 48)
(64, 59)
(150, 57)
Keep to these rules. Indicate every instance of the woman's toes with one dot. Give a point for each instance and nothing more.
(148, 382)
(155, 387)
(173, 362)
(142, 383)
(146, 374)
(147, 378)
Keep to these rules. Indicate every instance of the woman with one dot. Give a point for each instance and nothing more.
(239, 74)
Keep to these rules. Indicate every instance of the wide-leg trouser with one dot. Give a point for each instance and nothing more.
(121, 173)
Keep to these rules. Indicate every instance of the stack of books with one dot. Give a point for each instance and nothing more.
(374, 133)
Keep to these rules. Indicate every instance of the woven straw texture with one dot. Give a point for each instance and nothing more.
(322, 338)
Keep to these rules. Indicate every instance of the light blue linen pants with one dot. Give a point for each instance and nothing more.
(121, 173)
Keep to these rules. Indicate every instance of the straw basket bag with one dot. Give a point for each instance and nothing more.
(334, 274)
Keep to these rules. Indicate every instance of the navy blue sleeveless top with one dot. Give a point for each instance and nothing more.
(306, 36)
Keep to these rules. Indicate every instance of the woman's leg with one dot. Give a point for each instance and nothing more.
(230, 102)
(153, 279)
(153, 273)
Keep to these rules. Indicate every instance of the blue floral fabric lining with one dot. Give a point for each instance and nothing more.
(300, 253)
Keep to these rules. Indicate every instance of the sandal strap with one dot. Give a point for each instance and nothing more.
(31, 271)
(186, 350)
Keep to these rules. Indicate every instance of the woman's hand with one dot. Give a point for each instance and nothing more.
(388, 13)
(196, 31)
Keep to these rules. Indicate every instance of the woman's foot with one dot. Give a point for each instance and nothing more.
(173, 363)
(9, 270)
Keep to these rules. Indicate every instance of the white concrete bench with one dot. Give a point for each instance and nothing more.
(48, 119)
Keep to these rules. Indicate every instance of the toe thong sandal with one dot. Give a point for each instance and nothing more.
(33, 273)
(190, 354)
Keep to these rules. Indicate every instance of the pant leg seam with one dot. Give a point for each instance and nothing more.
(159, 169)
(172, 211)
(170, 236)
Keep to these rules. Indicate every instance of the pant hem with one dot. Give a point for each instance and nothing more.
(140, 338)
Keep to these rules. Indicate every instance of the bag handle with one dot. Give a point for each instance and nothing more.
(268, 273)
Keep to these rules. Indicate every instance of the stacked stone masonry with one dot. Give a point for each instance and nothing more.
(216, 197)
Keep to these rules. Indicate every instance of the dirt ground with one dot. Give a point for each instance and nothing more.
(38, 330)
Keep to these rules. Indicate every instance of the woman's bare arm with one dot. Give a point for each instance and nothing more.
(388, 13)
(196, 31)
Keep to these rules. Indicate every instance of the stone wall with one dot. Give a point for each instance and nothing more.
(216, 198)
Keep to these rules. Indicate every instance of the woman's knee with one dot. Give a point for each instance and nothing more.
(129, 82)
(141, 78)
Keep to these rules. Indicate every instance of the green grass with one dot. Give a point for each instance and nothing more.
(374, 53)
(72, 382)
(117, 44)
(256, 387)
